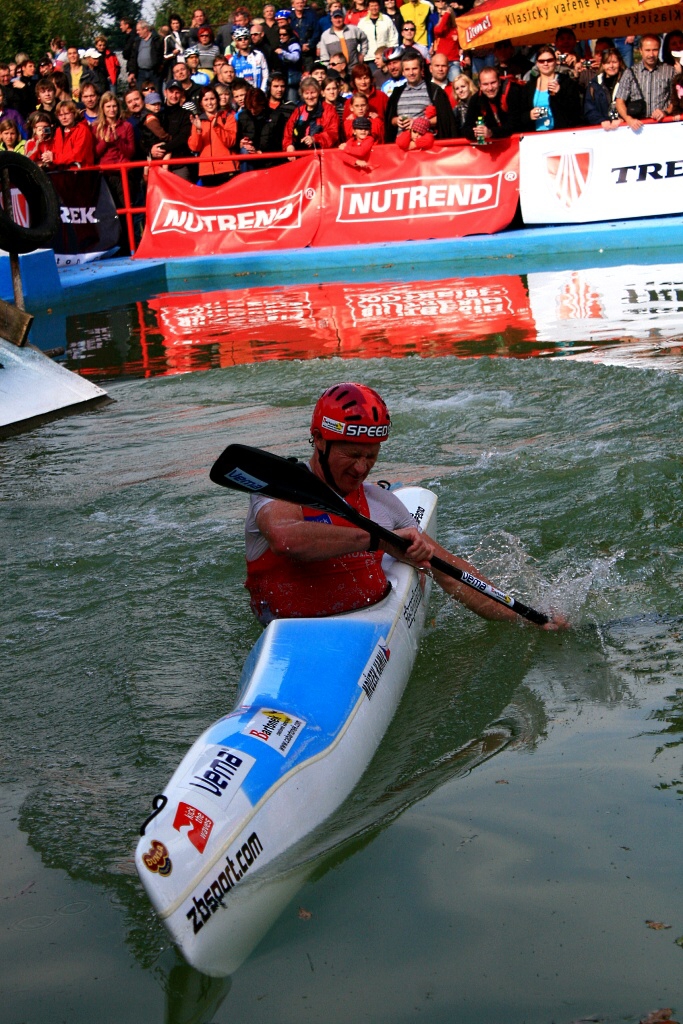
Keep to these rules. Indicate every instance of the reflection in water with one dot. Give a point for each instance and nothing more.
(191, 997)
(610, 314)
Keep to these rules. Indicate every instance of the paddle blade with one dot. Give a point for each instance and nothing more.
(257, 472)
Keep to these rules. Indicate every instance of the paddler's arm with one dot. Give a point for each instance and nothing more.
(288, 533)
(472, 599)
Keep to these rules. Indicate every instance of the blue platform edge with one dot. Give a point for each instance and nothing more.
(312, 671)
(646, 240)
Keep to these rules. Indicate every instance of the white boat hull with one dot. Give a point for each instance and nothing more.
(33, 387)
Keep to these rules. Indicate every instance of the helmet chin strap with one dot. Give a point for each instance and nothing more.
(323, 459)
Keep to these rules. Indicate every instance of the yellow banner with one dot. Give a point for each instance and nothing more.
(525, 21)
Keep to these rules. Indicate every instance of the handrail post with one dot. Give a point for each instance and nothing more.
(130, 228)
(13, 256)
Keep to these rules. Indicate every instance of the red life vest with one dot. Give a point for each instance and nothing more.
(284, 588)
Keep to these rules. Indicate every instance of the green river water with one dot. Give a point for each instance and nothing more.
(521, 821)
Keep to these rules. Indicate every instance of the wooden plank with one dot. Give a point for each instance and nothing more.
(14, 323)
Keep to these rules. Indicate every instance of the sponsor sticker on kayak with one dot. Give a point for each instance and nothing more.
(219, 773)
(236, 865)
(372, 673)
(275, 728)
(198, 825)
(157, 859)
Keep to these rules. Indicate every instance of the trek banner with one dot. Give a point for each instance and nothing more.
(583, 176)
(89, 225)
(446, 192)
(269, 209)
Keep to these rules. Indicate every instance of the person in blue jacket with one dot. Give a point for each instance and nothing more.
(304, 22)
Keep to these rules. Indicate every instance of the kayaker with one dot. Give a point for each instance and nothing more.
(304, 563)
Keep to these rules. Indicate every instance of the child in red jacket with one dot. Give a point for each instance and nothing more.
(360, 144)
(420, 135)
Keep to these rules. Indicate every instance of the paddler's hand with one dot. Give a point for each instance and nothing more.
(420, 550)
(556, 622)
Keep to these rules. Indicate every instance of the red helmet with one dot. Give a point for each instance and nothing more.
(351, 412)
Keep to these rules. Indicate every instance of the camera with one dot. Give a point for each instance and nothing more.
(613, 113)
(586, 63)
(561, 58)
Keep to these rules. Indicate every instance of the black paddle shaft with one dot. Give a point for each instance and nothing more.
(255, 471)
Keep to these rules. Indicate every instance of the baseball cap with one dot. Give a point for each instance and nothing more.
(362, 123)
(152, 97)
(174, 85)
(92, 52)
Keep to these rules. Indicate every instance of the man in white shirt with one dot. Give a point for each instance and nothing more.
(379, 29)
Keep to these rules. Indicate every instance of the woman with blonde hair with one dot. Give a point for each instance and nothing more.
(114, 144)
(460, 92)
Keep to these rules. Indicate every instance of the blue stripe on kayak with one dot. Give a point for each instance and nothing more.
(313, 671)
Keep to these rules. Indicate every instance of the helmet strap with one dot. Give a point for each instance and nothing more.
(323, 459)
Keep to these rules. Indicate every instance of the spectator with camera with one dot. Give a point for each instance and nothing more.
(599, 106)
(40, 145)
(645, 88)
(551, 95)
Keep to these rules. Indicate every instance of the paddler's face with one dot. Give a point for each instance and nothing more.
(350, 463)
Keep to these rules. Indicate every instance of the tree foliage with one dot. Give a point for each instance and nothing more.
(29, 26)
(215, 10)
(111, 12)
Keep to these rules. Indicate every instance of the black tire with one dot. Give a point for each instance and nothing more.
(42, 201)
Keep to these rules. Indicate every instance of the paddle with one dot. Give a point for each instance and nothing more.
(257, 472)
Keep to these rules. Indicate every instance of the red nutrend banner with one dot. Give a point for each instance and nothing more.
(269, 209)
(446, 192)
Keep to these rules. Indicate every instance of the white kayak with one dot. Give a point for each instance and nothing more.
(315, 700)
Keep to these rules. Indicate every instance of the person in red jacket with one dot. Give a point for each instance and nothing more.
(301, 563)
(361, 108)
(111, 61)
(360, 143)
(362, 82)
(420, 135)
(314, 124)
(114, 144)
(73, 144)
(214, 137)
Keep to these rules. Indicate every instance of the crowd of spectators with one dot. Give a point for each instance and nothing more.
(302, 78)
